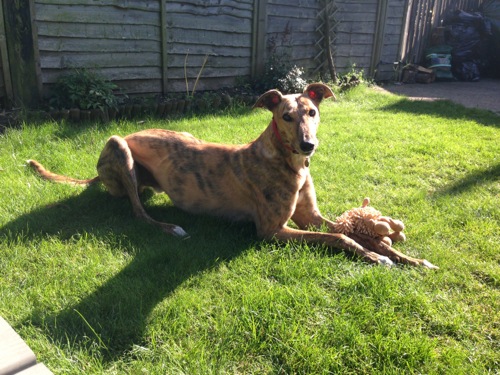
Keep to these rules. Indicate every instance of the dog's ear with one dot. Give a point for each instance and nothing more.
(269, 100)
(318, 91)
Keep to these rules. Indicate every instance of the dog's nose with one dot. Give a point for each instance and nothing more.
(307, 146)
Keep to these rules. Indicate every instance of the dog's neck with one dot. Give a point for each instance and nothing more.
(277, 134)
(272, 147)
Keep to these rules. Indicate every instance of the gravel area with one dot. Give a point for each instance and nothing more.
(484, 94)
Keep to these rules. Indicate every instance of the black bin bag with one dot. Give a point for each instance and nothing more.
(465, 33)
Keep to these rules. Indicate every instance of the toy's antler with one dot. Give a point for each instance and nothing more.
(366, 202)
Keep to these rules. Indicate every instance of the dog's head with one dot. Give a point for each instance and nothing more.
(296, 116)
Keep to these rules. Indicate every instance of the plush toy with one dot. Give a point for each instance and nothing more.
(368, 221)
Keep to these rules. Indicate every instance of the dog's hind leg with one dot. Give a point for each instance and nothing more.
(332, 240)
(118, 172)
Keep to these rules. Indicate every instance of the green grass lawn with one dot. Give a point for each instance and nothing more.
(93, 290)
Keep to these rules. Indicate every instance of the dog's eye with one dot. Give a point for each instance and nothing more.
(287, 117)
(312, 112)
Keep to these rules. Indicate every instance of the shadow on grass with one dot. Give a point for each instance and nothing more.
(444, 108)
(71, 130)
(471, 180)
(115, 314)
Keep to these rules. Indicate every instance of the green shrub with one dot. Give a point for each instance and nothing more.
(352, 78)
(84, 89)
(280, 74)
(293, 81)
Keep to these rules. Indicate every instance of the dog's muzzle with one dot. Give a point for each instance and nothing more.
(307, 147)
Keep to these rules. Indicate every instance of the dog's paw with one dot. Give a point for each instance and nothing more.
(173, 230)
(429, 265)
(179, 232)
(385, 261)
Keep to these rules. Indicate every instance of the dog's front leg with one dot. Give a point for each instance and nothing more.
(381, 247)
(307, 214)
(332, 240)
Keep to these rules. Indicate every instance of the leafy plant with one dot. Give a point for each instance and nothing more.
(352, 78)
(293, 80)
(280, 74)
(84, 89)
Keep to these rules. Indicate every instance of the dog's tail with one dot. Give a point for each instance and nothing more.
(47, 175)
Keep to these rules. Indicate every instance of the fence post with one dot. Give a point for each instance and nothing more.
(5, 59)
(404, 34)
(259, 31)
(164, 54)
(21, 37)
(378, 38)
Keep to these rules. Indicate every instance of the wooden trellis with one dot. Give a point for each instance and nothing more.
(326, 38)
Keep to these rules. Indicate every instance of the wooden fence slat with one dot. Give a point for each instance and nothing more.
(210, 38)
(219, 62)
(98, 31)
(258, 56)
(163, 46)
(113, 74)
(36, 53)
(95, 14)
(138, 87)
(214, 50)
(65, 45)
(378, 37)
(228, 24)
(51, 60)
(144, 5)
(5, 58)
(23, 51)
(209, 11)
(207, 4)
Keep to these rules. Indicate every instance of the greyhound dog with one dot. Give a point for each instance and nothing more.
(266, 181)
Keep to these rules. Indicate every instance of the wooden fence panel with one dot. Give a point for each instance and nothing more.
(355, 34)
(120, 39)
(392, 38)
(153, 46)
(291, 29)
(219, 33)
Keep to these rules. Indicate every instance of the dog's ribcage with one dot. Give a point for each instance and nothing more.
(215, 178)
